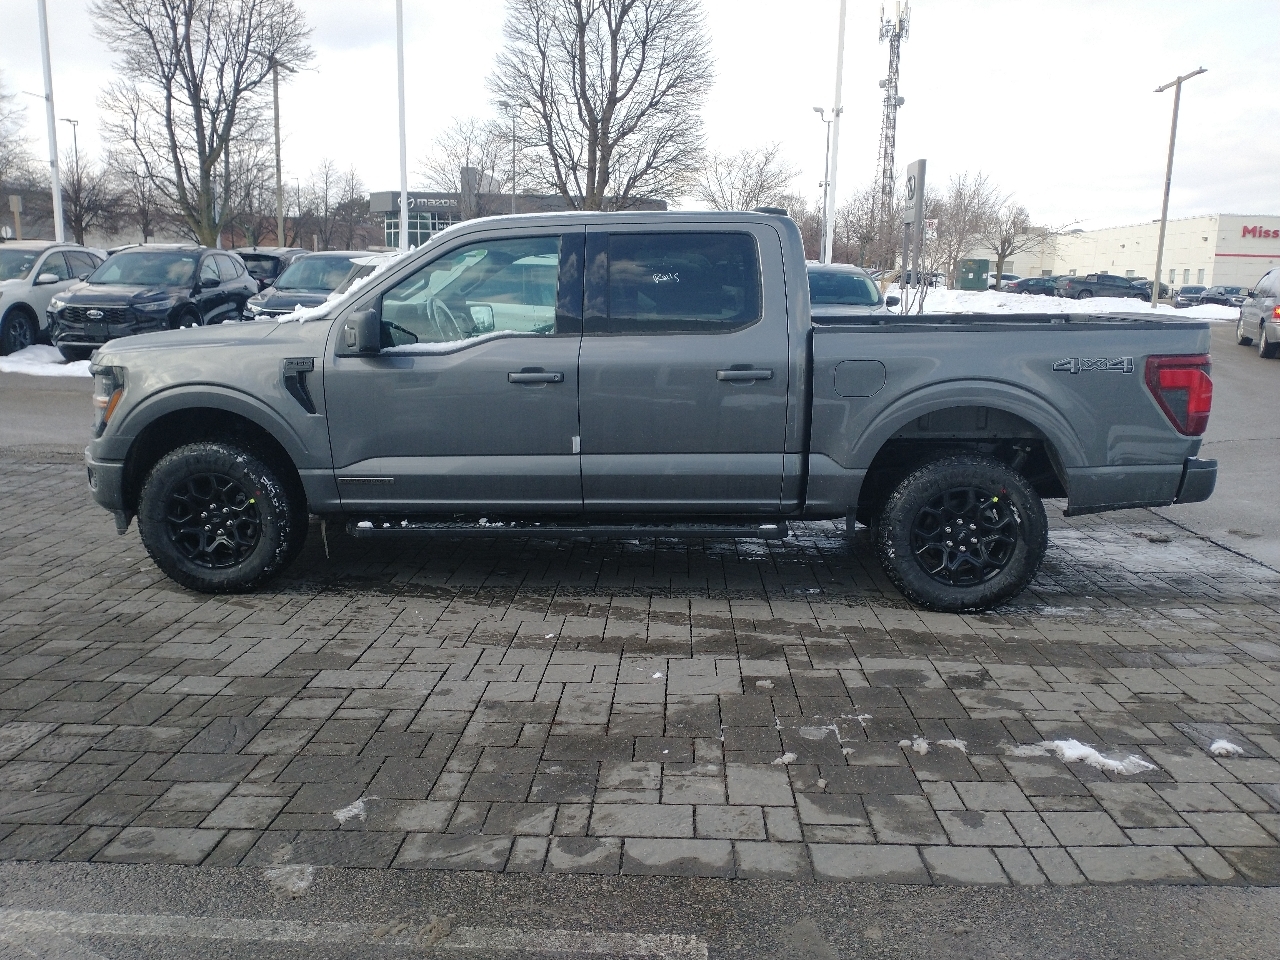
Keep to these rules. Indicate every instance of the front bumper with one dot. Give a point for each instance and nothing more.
(106, 484)
(1199, 477)
(71, 333)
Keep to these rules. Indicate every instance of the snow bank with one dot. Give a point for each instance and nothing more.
(1073, 751)
(42, 361)
(989, 301)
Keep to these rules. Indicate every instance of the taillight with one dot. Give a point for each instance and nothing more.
(1182, 387)
(1275, 313)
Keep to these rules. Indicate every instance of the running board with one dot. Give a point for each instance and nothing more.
(527, 528)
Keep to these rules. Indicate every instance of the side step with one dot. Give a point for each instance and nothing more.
(400, 527)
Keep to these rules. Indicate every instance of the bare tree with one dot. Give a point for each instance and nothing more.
(808, 219)
(1009, 231)
(90, 200)
(745, 180)
(855, 227)
(191, 92)
(351, 215)
(963, 211)
(15, 158)
(609, 94)
(472, 144)
(141, 205)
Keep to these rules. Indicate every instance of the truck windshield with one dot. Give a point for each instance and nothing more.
(317, 273)
(829, 286)
(148, 268)
(16, 264)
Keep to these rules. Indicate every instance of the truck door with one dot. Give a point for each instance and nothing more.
(472, 405)
(684, 370)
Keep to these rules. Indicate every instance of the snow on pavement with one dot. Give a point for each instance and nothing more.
(42, 361)
(989, 301)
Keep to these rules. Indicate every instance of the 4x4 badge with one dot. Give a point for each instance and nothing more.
(1080, 364)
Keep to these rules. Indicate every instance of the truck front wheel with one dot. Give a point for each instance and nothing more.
(962, 533)
(218, 518)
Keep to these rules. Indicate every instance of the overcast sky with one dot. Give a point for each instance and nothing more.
(1052, 98)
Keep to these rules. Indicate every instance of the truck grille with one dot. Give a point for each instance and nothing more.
(109, 314)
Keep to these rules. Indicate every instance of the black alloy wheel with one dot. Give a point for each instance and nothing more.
(965, 536)
(16, 333)
(212, 521)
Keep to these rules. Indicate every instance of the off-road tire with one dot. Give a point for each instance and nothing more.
(1242, 338)
(914, 503)
(1266, 349)
(268, 501)
(72, 354)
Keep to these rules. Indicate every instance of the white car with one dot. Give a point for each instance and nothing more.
(1006, 279)
(31, 272)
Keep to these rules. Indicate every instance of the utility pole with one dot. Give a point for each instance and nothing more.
(77, 184)
(404, 150)
(58, 232)
(1168, 177)
(510, 108)
(829, 205)
(826, 178)
(275, 96)
(895, 31)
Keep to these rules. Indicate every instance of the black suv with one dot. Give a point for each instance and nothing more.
(1097, 285)
(146, 288)
(308, 281)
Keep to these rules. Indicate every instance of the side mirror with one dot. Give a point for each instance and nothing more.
(208, 283)
(82, 276)
(482, 317)
(47, 278)
(361, 334)
(892, 301)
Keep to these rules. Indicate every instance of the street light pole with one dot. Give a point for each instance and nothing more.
(75, 143)
(826, 184)
(510, 108)
(1168, 178)
(403, 245)
(58, 231)
(275, 97)
(828, 232)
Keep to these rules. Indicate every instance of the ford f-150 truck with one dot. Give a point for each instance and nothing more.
(641, 374)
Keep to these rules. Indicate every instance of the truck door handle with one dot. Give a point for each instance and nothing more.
(535, 376)
(734, 375)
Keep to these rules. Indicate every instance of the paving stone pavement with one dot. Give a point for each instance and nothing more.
(711, 709)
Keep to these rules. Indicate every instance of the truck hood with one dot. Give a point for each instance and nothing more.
(222, 334)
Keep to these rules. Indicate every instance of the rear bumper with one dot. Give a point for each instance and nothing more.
(1199, 477)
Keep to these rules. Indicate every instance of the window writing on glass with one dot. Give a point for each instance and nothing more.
(682, 282)
(496, 286)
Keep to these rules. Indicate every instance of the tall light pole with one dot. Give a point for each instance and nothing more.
(826, 181)
(75, 143)
(510, 108)
(829, 231)
(76, 183)
(404, 149)
(275, 99)
(1168, 177)
(58, 232)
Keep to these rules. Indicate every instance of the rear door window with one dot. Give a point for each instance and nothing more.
(687, 282)
(228, 269)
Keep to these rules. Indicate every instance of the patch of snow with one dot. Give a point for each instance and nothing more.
(353, 810)
(785, 759)
(1027, 750)
(548, 636)
(658, 675)
(764, 684)
(991, 301)
(954, 745)
(451, 346)
(817, 733)
(847, 751)
(917, 744)
(42, 361)
(365, 525)
(294, 879)
(1073, 751)
(1225, 748)
(822, 784)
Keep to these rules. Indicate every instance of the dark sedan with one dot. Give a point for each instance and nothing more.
(1225, 296)
(1188, 295)
(308, 281)
(267, 263)
(143, 289)
(1043, 286)
(1097, 285)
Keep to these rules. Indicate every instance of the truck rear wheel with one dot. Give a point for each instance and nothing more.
(962, 533)
(218, 518)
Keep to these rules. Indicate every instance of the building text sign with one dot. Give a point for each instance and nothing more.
(1260, 233)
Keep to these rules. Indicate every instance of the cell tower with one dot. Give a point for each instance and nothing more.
(895, 31)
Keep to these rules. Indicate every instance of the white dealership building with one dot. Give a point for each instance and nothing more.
(1218, 249)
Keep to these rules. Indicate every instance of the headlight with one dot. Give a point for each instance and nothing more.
(156, 306)
(108, 388)
(253, 308)
(56, 304)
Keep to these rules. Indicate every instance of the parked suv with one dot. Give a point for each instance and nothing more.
(267, 263)
(31, 273)
(308, 281)
(1097, 285)
(149, 288)
(1260, 316)
(1188, 295)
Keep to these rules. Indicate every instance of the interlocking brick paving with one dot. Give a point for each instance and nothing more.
(712, 709)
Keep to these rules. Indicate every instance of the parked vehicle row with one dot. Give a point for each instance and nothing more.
(1260, 316)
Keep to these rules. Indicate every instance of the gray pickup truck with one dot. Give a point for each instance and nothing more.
(641, 374)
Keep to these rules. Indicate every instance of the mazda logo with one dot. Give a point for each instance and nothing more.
(94, 314)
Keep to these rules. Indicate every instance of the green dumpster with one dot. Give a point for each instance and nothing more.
(972, 274)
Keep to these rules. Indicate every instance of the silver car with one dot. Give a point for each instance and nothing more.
(1260, 316)
(841, 292)
(31, 272)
